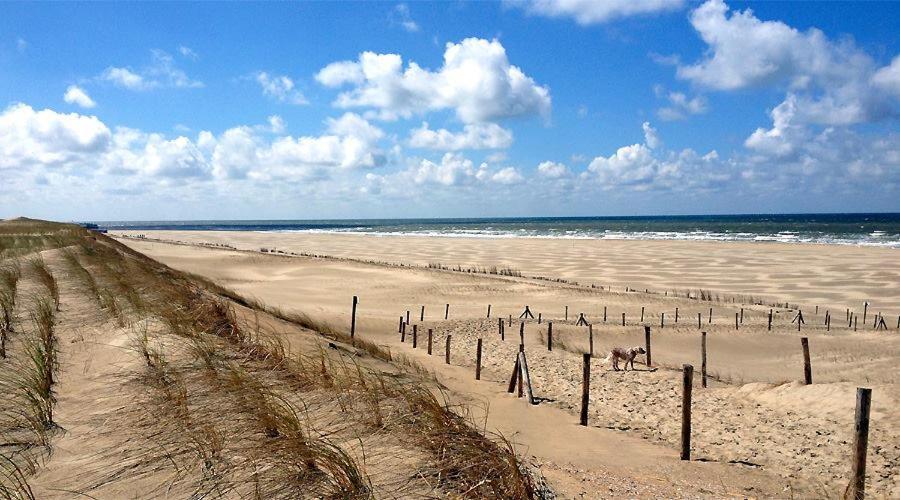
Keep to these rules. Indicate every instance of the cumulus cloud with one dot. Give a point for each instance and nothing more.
(644, 166)
(160, 73)
(473, 136)
(476, 81)
(832, 83)
(680, 107)
(76, 95)
(453, 170)
(508, 175)
(552, 170)
(280, 88)
(84, 145)
(188, 53)
(586, 12)
(888, 78)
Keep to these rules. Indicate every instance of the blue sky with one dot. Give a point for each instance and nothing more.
(420, 109)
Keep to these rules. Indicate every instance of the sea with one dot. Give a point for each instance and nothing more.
(865, 229)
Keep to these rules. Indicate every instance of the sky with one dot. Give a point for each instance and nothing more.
(178, 111)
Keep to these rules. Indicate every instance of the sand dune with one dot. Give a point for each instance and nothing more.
(756, 416)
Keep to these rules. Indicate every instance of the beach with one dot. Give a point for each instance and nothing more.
(757, 425)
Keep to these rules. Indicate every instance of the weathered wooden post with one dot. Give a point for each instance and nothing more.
(742, 315)
(567, 313)
(662, 320)
(422, 314)
(688, 380)
(591, 339)
(807, 369)
(447, 350)
(415, 335)
(856, 322)
(550, 336)
(519, 392)
(510, 320)
(429, 341)
(623, 319)
(500, 328)
(857, 490)
(403, 333)
(353, 318)
(447, 311)
(676, 315)
(710, 315)
(642, 314)
(522, 333)
(478, 361)
(407, 316)
(735, 321)
(489, 311)
(400, 326)
(703, 359)
(604, 314)
(539, 318)
(770, 320)
(585, 387)
(699, 324)
(647, 344)
(865, 310)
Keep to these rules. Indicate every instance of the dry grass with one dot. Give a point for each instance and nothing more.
(9, 279)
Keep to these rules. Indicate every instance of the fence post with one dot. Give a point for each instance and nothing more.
(447, 311)
(422, 314)
(400, 327)
(662, 320)
(642, 314)
(403, 333)
(502, 329)
(647, 343)
(807, 369)
(550, 336)
(489, 311)
(623, 319)
(522, 333)
(429, 341)
(703, 359)
(699, 324)
(676, 315)
(860, 443)
(770, 320)
(415, 335)
(478, 361)
(686, 412)
(735, 321)
(539, 318)
(710, 315)
(353, 318)
(447, 351)
(567, 313)
(742, 315)
(591, 339)
(604, 314)
(585, 387)
(407, 316)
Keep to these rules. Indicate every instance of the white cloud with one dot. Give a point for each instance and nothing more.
(400, 15)
(453, 170)
(680, 107)
(476, 81)
(188, 53)
(888, 77)
(508, 175)
(832, 82)
(473, 136)
(160, 73)
(552, 170)
(280, 88)
(49, 139)
(650, 136)
(76, 95)
(276, 124)
(587, 12)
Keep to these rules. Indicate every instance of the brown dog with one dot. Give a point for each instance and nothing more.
(625, 354)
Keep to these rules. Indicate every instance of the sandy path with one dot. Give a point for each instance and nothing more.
(826, 275)
(771, 421)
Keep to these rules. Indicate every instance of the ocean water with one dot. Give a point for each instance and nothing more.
(838, 229)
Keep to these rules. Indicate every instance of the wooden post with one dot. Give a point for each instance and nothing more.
(688, 380)
(735, 321)
(585, 387)
(353, 318)
(647, 344)
(403, 333)
(770, 320)
(407, 316)
(676, 315)
(567, 313)
(447, 311)
(827, 321)
(857, 490)
(522, 333)
(865, 310)
(604, 314)
(429, 341)
(515, 377)
(710, 315)
(591, 340)
(662, 320)
(703, 359)
(478, 361)
(400, 327)
(539, 318)
(489, 311)
(642, 314)
(510, 320)
(817, 310)
(550, 336)
(699, 324)
(447, 350)
(502, 329)
(422, 314)
(807, 369)
(856, 322)
(525, 377)
(623, 319)
(519, 392)
(742, 315)
(415, 335)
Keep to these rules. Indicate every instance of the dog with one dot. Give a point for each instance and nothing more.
(625, 354)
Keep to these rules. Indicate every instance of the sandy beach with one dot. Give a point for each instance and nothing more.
(760, 429)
